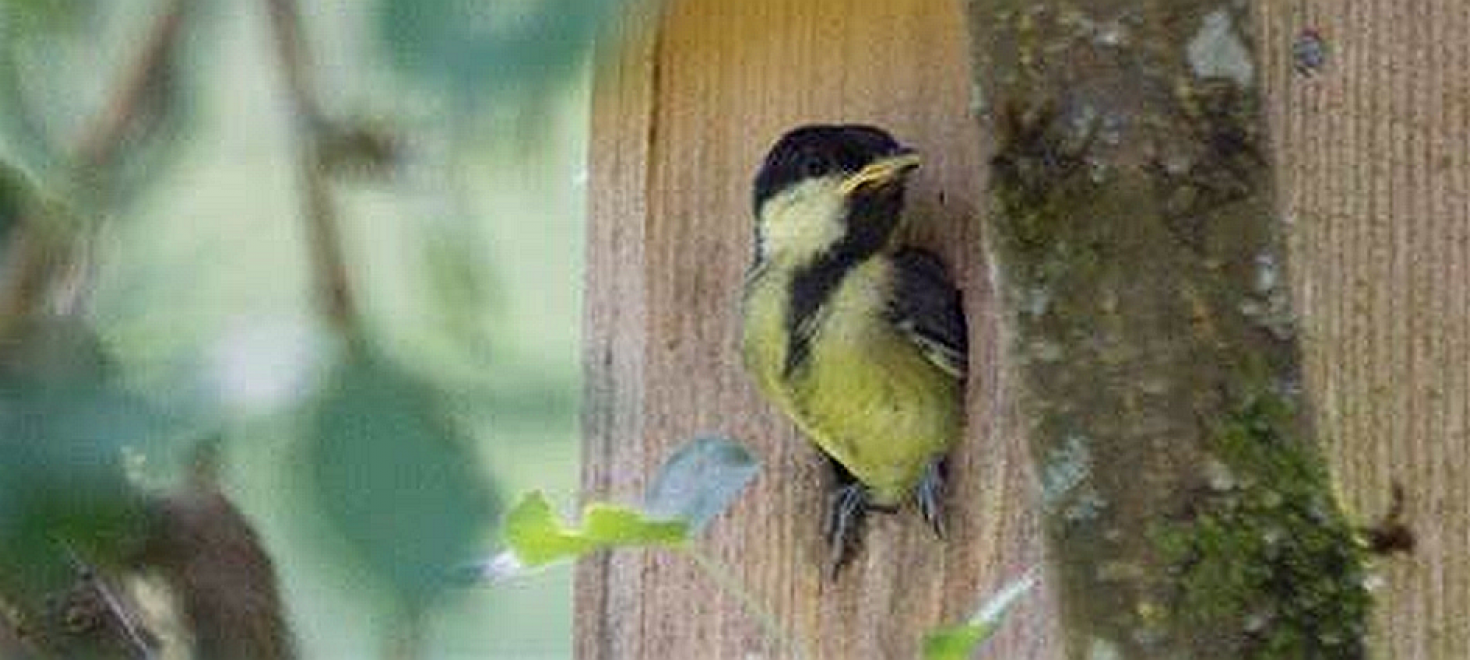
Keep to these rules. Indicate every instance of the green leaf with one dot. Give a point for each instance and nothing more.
(955, 642)
(609, 525)
(395, 479)
(958, 642)
(48, 15)
(693, 486)
(700, 481)
(537, 536)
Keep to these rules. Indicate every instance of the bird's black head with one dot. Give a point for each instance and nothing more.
(820, 150)
(833, 190)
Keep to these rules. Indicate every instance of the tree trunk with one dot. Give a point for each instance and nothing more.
(1146, 313)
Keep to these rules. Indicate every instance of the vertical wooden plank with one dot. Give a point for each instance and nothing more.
(680, 126)
(608, 586)
(1374, 152)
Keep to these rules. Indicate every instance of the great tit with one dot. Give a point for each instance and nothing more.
(859, 341)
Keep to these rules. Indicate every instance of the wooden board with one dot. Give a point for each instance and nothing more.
(681, 121)
(1373, 155)
(1374, 159)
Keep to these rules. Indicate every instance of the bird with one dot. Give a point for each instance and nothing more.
(858, 340)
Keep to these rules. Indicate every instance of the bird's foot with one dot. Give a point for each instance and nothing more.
(845, 523)
(929, 495)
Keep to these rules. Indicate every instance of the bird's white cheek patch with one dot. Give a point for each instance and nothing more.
(805, 219)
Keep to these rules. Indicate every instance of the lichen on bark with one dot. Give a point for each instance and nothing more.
(1148, 329)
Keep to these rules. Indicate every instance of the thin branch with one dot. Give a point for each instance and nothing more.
(108, 132)
(27, 270)
(36, 258)
(323, 228)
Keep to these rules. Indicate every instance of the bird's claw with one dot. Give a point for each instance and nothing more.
(844, 523)
(929, 495)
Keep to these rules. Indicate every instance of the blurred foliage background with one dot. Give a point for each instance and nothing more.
(326, 255)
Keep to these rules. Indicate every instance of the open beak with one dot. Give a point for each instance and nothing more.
(881, 172)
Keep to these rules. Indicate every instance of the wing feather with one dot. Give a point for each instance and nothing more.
(926, 309)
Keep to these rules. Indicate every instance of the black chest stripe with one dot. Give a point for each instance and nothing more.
(811, 288)
(870, 219)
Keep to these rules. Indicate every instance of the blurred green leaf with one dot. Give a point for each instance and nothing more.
(23, 25)
(462, 283)
(471, 46)
(958, 642)
(395, 478)
(700, 481)
(48, 14)
(22, 129)
(63, 485)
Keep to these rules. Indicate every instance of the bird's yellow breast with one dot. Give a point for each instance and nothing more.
(866, 395)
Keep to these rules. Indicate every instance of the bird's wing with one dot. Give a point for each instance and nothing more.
(926, 309)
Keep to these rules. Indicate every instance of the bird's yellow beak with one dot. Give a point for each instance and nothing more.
(881, 172)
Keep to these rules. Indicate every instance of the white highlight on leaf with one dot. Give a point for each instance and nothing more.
(261, 366)
(500, 568)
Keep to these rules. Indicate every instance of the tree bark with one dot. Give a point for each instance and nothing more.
(1146, 316)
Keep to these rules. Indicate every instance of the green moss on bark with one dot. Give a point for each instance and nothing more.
(1264, 556)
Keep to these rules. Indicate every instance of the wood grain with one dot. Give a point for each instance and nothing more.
(609, 586)
(1374, 158)
(681, 121)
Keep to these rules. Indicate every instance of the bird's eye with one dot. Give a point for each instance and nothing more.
(814, 165)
